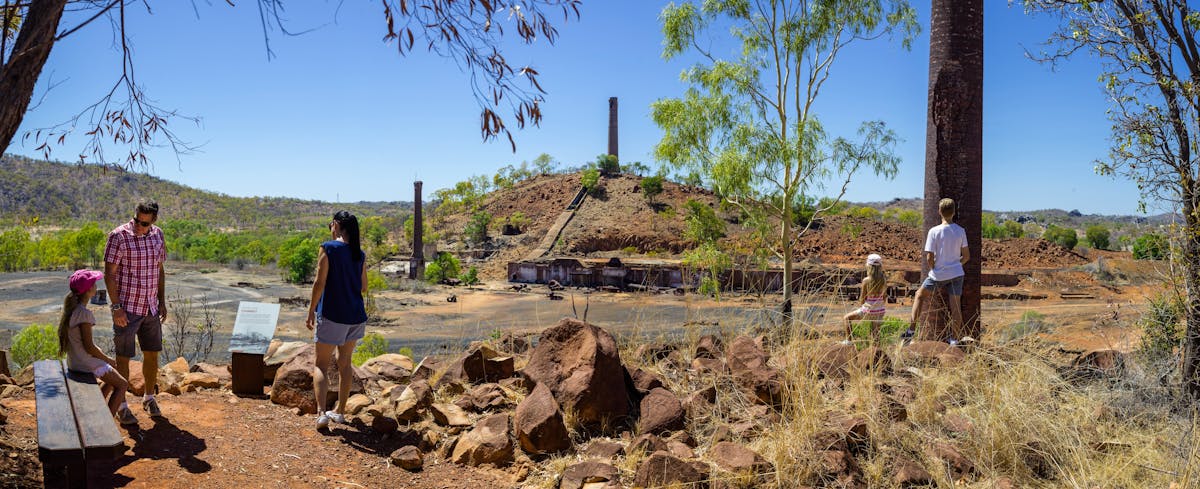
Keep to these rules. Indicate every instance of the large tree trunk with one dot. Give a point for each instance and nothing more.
(1191, 266)
(954, 146)
(19, 75)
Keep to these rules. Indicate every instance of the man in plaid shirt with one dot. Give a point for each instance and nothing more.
(133, 274)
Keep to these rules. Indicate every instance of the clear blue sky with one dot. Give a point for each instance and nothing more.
(337, 115)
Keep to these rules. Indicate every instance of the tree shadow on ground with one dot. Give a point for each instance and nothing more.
(162, 441)
(360, 437)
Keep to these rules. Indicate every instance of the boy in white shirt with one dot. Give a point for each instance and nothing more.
(945, 253)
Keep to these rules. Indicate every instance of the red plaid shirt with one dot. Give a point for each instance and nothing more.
(138, 259)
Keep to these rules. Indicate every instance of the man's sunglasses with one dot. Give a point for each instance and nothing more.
(144, 224)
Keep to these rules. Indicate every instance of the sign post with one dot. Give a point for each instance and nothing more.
(252, 333)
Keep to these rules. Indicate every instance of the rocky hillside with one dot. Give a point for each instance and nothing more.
(59, 193)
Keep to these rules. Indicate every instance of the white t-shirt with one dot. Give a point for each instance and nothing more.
(946, 241)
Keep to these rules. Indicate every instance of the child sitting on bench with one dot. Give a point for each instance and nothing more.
(75, 341)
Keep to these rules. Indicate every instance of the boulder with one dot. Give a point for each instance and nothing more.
(873, 359)
(170, 376)
(449, 415)
(700, 400)
(590, 473)
(408, 458)
(661, 412)
(932, 353)
(645, 381)
(910, 474)
(539, 425)
(517, 384)
(680, 449)
(960, 467)
(24, 376)
(647, 443)
(357, 403)
(194, 381)
(833, 360)
(735, 457)
(1094, 364)
(487, 443)
(748, 363)
(604, 449)
(480, 364)
(511, 343)
(709, 346)
(380, 418)
(412, 399)
(663, 469)
(220, 371)
(137, 381)
(581, 366)
(391, 367)
(279, 354)
(708, 365)
(293, 385)
(483, 398)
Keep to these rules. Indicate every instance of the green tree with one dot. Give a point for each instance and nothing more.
(608, 164)
(747, 124)
(703, 225)
(476, 229)
(1151, 246)
(1064, 237)
(298, 258)
(443, 267)
(85, 245)
(1013, 229)
(989, 229)
(1150, 69)
(710, 262)
(14, 250)
(652, 187)
(1097, 236)
(545, 164)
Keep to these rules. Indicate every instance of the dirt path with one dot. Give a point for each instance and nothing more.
(213, 439)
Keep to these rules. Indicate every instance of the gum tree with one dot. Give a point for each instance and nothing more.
(747, 124)
(1150, 69)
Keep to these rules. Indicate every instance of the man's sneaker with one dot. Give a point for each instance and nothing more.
(335, 417)
(126, 417)
(151, 407)
(322, 422)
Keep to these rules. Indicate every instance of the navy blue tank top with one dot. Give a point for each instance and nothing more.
(342, 301)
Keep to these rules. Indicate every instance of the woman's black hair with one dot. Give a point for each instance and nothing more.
(349, 225)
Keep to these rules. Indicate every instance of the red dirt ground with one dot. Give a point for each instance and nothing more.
(212, 439)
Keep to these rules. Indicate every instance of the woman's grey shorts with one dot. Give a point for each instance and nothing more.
(337, 334)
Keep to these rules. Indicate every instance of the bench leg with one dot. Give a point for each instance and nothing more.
(73, 475)
(77, 475)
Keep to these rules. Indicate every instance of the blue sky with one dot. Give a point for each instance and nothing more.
(338, 116)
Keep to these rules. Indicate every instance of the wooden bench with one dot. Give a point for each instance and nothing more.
(74, 425)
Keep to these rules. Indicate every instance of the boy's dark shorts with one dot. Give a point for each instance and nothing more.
(955, 284)
(146, 329)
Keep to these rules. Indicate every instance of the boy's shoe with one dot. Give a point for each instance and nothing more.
(335, 417)
(151, 407)
(126, 417)
(322, 422)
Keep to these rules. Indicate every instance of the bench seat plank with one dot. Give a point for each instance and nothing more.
(58, 436)
(97, 429)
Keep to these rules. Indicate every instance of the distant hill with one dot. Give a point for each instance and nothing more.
(1058, 217)
(58, 193)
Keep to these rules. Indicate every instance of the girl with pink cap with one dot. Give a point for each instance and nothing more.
(75, 341)
(874, 288)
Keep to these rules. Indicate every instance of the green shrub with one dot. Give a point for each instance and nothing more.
(406, 351)
(476, 229)
(710, 287)
(371, 346)
(1161, 333)
(608, 164)
(518, 220)
(988, 227)
(1151, 246)
(443, 267)
(703, 225)
(865, 212)
(590, 180)
(1013, 229)
(298, 259)
(35, 342)
(889, 331)
(1064, 237)
(1097, 236)
(652, 187)
(470, 277)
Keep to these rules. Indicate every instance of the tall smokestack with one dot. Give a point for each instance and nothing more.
(612, 126)
(416, 268)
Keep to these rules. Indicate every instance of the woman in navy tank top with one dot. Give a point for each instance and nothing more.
(336, 311)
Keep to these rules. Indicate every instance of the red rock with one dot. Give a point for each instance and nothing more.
(408, 458)
(735, 457)
(911, 474)
(873, 359)
(487, 443)
(933, 353)
(959, 465)
(662, 469)
(293, 385)
(748, 363)
(833, 359)
(709, 346)
(661, 412)
(590, 472)
(581, 366)
(538, 423)
(603, 449)
(645, 381)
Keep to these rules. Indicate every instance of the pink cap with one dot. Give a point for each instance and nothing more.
(82, 280)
